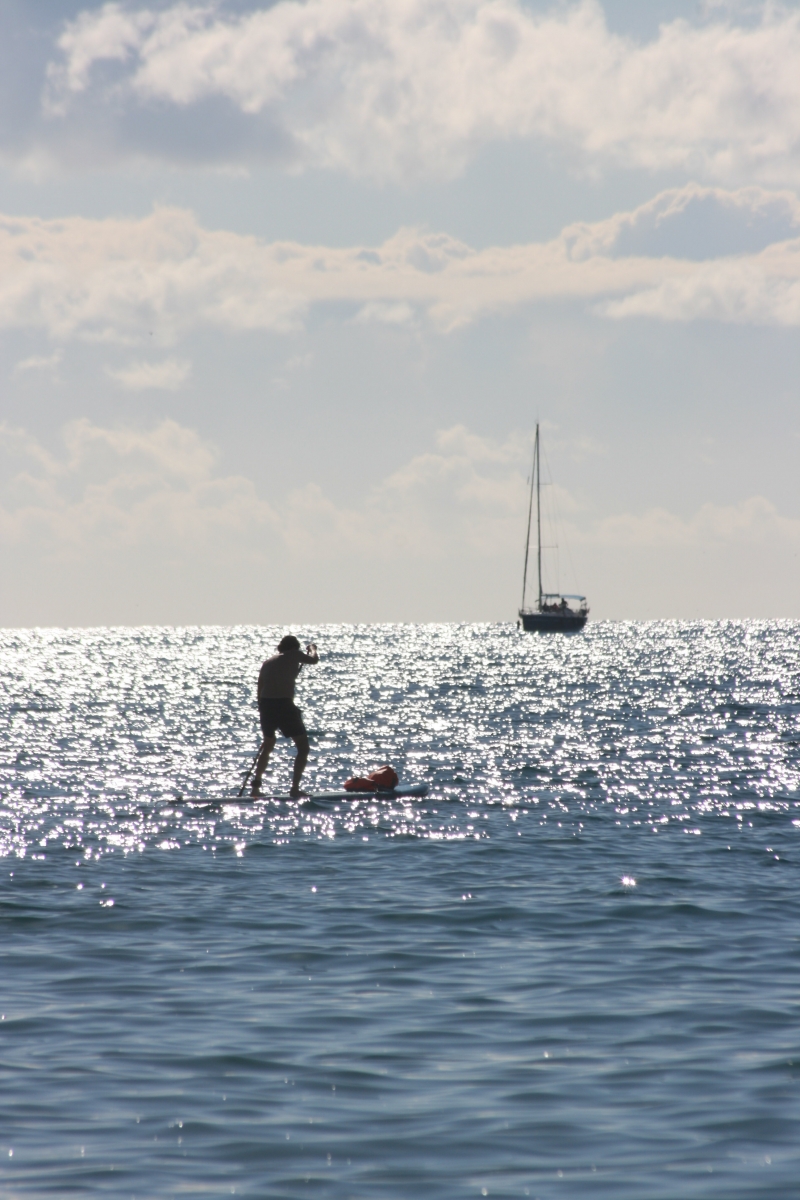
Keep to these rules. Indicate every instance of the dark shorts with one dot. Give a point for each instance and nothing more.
(281, 714)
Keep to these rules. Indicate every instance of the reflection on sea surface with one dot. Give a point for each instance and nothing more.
(571, 970)
(132, 738)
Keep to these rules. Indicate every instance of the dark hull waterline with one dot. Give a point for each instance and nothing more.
(539, 622)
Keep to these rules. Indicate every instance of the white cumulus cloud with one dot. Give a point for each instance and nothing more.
(38, 362)
(392, 89)
(167, 375)
(761, 290)
(158, 278)
(158, 487)
(112, 489)
(752, 521)
(118, 280)
(691, 222)
(115, 513)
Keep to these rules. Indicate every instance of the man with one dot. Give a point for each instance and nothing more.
(277, 709)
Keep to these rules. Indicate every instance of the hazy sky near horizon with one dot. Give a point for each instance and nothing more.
(285, 287)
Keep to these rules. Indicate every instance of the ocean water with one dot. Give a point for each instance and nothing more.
(572, 970)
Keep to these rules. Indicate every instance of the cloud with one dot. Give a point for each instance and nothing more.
(38, 362)
(113, 490)
(141, 522)
(754, 521)
(691, 222)
(385, 313)
(158, 486)
(121, 281)
(466, 496)
(168, 375)
(762, 290)
(400, 89)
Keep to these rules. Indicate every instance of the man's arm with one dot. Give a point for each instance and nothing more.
(310, 655)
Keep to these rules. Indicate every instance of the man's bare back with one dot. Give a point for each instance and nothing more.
(278, 674)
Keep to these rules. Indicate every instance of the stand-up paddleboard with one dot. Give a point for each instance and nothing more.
(403, 791)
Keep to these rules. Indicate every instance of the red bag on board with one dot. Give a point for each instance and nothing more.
(384, 778)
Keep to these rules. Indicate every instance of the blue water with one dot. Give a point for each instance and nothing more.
(572, 971)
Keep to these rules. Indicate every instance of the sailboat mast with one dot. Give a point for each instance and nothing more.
(530, 514)
(539, 512)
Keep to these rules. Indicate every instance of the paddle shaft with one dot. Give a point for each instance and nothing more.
(250, 771)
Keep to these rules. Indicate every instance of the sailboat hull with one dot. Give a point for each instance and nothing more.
(541, 622)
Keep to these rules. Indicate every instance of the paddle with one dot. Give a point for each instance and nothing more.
(249, 773)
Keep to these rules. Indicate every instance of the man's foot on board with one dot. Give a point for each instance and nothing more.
(298, 794)
(255, 790)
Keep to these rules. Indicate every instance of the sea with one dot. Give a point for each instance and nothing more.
(572, 970)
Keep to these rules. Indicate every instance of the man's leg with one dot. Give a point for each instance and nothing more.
(268, 745)
(301, 741)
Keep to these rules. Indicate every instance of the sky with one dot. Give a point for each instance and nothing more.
(285, 288)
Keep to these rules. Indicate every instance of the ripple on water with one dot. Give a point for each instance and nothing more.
(117, 739)
(571, 969)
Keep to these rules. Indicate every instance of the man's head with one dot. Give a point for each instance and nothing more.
(289, 642)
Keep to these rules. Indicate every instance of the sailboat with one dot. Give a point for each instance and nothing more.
(554, 612)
